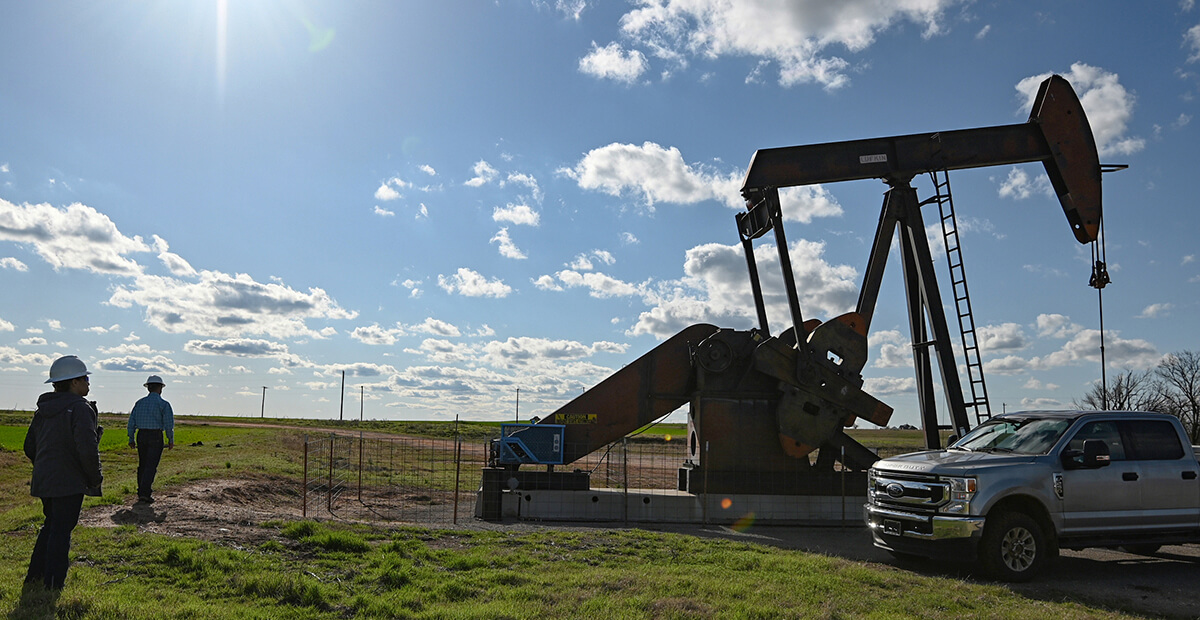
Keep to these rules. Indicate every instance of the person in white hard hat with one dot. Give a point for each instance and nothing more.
(63, 443)
(150, 418)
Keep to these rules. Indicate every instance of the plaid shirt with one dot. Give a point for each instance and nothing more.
(152, 412)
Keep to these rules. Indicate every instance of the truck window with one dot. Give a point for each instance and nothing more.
(1154, 440)
(1018, 436)
(1105, 431)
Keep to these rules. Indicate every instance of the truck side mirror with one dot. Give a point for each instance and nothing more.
(1093, 456)
(952, 439)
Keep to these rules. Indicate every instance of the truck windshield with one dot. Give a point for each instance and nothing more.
(1018, 436)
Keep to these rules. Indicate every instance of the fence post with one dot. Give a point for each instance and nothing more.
(457, 466)
(625, 476)
(329, 488)
(704, 499)
(304, 489)
(360, 464)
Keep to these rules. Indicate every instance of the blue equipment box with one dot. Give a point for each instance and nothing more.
(536, 444)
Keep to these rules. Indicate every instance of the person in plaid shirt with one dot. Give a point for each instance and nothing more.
(150, 418)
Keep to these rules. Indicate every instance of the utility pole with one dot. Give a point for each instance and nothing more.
(518, 415)
(342, 397)
(263, 412)
(362, 394)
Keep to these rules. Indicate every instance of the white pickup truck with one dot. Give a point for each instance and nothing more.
(1023, 485)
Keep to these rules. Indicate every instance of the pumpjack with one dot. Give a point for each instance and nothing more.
(761, 404)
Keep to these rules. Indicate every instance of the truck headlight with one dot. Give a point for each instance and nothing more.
(961, 492)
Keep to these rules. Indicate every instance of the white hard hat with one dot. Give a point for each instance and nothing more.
(153, 380)
(67, 368)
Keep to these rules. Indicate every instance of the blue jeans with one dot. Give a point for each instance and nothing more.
(51, 551)
(150, 449)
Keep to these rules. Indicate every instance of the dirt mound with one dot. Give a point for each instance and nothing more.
(223, 510)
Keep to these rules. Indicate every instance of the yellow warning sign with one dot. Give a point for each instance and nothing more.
(574, 418)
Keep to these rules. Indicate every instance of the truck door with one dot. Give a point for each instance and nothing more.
(1167, 474)
(1106, 497)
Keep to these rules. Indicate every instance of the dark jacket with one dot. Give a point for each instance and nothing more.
(64, 444)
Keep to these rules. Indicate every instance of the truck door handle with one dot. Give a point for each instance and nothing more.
(1189, 475)
(1129, 476)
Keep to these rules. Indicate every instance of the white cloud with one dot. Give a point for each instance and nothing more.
(1007, 365)
(614, 63)
(627, 238)
(526, 180)
(983, 32)
(994, 339)
(469, 283)
(655, 173)
(437, 327)
(158, 364)
(599, 285)
(715, 289)
(380, 211)
(1019, 185)
(1108, 105)
(1190, 258)
(5, 326)
(889, 386)
(581, 263)
(78, 237)
(508, 249)
(11, 263)
(223, 305)
(793, 35)
(1191, 39)
(802, 204)
(516, 214)
(484, 173)
(1056, 326)
(1154, 311)
(175, 263)
(427, 169)
(546, 283)
(236, 347)
(376, 335)
(1084, 346)
(895, 350)
(390, 189)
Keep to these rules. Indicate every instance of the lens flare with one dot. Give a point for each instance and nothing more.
(726, 503)
(744, 523)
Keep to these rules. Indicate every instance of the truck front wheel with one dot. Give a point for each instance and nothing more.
(1013, 547)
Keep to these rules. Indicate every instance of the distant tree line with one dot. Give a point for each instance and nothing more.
(1171, 387)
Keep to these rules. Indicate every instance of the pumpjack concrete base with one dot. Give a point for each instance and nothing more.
(667, 506)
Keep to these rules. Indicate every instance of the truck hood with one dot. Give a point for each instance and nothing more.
(948, 461)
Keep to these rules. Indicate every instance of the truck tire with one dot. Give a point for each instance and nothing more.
(1013, 547)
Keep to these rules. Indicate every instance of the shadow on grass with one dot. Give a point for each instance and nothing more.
(139, 514)
(37, 601)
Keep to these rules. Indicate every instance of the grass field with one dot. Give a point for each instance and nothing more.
(305, 569)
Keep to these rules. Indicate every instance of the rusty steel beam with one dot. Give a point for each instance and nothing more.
(1057, 134)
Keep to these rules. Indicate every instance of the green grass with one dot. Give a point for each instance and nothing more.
(421, 573)
(309, 569)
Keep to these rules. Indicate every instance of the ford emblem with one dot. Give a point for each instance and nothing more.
(895, 490)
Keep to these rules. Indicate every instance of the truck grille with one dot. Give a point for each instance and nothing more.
(910, 492)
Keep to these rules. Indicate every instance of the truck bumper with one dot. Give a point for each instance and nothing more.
(915, 534)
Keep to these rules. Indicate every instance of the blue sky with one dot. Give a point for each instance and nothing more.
(451, 201)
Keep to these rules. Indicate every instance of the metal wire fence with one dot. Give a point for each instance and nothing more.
(436, 481)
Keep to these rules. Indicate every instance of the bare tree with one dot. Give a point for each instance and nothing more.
(1181, 373)
(1129, 391)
